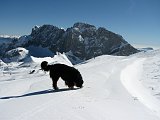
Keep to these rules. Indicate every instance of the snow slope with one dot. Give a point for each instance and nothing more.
(115, 88)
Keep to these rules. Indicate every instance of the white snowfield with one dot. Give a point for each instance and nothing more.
(115, 88)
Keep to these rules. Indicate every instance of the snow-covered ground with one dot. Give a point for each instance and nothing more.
(115, 88)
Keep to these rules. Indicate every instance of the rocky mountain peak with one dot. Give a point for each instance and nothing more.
(45, 30)
(83, 26)
(84, 41)
(44, 35)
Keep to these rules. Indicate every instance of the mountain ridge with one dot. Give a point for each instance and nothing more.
(83, 40)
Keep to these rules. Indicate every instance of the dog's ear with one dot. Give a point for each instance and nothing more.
(44, 65)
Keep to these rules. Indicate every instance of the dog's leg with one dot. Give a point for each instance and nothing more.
(55, 85)
(54, 80)
(71, 85)
(79, 80)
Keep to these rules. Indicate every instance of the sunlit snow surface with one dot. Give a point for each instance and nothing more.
(115, 88)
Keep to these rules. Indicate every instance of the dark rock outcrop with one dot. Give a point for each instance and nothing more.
(83, 40)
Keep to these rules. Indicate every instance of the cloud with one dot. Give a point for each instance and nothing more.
(145, 46)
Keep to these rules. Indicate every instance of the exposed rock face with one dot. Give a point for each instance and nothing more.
(83, 40)
(46, 36)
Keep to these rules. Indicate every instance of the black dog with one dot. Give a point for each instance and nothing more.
(70, 75)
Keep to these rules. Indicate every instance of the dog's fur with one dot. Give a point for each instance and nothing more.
(70, 75)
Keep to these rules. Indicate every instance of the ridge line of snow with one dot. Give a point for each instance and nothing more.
(130, 78)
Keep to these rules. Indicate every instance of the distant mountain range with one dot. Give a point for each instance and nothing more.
(82, 41)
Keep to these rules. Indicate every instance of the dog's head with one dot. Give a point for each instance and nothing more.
(44, 65)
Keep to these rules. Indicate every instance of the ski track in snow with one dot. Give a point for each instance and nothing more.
(113, 90)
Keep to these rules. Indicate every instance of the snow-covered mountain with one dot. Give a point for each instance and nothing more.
(115, 88)
(85, 41)
(17, 55)
(82, 40)
(5, 42)
(2, 63)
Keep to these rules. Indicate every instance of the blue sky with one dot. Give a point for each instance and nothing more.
(138, 21)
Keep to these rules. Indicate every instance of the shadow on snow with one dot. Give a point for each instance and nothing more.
(39, 93)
